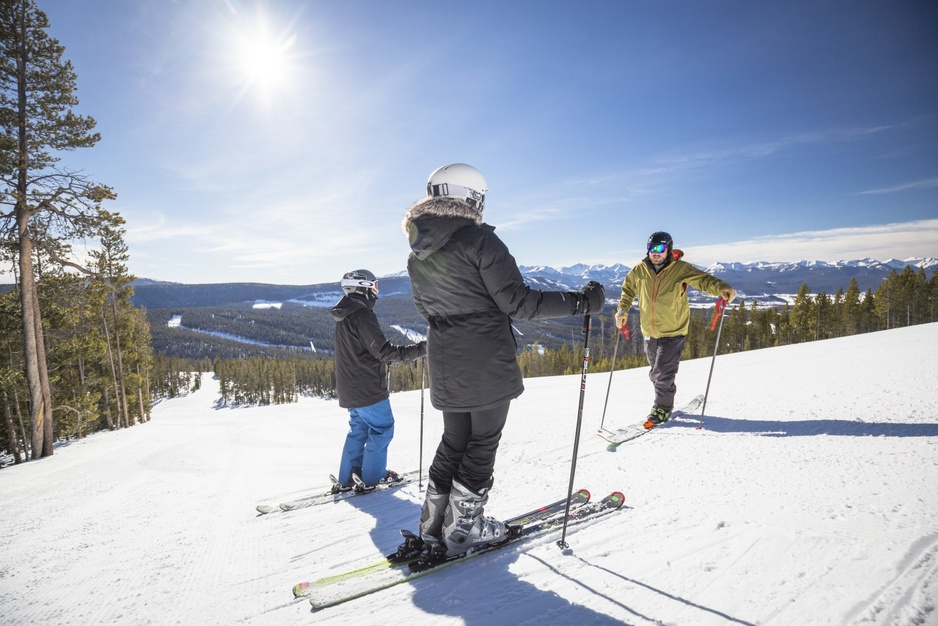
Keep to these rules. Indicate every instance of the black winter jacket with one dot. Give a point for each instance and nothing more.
(361, 352)
(467, 286)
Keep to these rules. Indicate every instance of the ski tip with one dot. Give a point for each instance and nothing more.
(585, 493)
(302, 590)
(617, 498)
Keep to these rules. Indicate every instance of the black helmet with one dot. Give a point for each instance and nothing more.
(359, 281)
(659, 238)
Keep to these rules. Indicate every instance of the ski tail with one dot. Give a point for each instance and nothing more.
(633, 431)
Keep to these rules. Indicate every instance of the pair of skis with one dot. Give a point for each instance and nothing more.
(330, 496)
(374, 577)
(632, 431)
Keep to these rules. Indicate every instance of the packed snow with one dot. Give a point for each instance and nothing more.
(810, 496)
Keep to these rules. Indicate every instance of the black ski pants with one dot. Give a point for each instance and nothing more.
(467, 449)
(664, 357)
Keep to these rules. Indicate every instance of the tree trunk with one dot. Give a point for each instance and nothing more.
(24, 436)
(47, 423)
(11, 431)
(120, 362)
(107, 408)
(30, 310)
(33, 350)
(110, 354)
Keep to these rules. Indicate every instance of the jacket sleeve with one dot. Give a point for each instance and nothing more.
(703, 281)
(506, 286)
(379, 347)
(629, 289)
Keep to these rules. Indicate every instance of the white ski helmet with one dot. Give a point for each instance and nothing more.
(359, 281)
(459, 181)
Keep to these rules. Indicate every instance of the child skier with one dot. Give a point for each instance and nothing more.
(361, 352)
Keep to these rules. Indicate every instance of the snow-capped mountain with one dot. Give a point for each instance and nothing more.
(573, 276)
(759, 278)
(764, 278)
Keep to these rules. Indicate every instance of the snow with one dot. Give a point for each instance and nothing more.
(809, 497)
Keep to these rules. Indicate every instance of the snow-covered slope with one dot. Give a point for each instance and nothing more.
(809, 497)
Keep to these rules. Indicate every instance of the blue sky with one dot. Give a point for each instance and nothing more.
(775, 131)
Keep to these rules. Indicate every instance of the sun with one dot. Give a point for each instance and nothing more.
(263, 62)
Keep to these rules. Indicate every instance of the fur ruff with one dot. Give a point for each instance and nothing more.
(440, 206)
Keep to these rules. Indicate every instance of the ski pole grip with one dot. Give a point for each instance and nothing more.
(624, 331)
(718, 313)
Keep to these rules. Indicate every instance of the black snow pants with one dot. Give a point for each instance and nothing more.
(664, 357)
(467, 449)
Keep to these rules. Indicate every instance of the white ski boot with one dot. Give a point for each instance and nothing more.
(464, 526)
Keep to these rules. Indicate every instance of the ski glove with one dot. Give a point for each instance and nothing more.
(728, 294)
(622, 317)
(589, 299)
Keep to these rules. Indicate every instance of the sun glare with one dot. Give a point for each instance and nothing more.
(264, 62)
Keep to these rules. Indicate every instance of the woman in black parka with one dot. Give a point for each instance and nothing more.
(468, 287)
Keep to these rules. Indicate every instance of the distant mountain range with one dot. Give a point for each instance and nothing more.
(761, 280)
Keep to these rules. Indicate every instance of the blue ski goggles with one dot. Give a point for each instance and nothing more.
(657, 248)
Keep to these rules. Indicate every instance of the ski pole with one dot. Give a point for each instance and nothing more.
(423, 384)
(721, 304)
(622, 331)
(579, 423)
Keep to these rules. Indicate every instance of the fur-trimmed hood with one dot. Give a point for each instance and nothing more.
(430, 222)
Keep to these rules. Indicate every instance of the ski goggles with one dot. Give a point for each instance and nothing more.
(657, 248)
(360, 282)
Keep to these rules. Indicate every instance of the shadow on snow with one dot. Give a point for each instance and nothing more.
(806, 428)
(482, 591)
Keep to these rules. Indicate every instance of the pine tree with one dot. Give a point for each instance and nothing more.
(803, 321)
(49, 206)
(850, 314)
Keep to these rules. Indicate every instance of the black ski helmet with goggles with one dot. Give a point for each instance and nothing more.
(660, 238)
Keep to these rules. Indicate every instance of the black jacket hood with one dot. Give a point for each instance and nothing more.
(349, 304)
(431, 222)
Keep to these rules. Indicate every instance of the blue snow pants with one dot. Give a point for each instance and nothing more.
(371, 429)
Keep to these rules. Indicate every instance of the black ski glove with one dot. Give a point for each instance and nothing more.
(589, 299)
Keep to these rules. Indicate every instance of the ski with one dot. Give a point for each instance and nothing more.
(632, 431)
(339, 593)
(327, 496)
(546, 512)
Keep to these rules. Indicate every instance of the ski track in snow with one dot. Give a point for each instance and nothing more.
(809, 497)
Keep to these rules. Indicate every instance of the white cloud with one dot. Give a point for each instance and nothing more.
(918, 184)
(882, 242)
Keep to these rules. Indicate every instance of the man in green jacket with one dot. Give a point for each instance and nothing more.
(660, 281)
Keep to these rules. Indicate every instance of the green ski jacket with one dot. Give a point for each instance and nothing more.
(662, 297)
